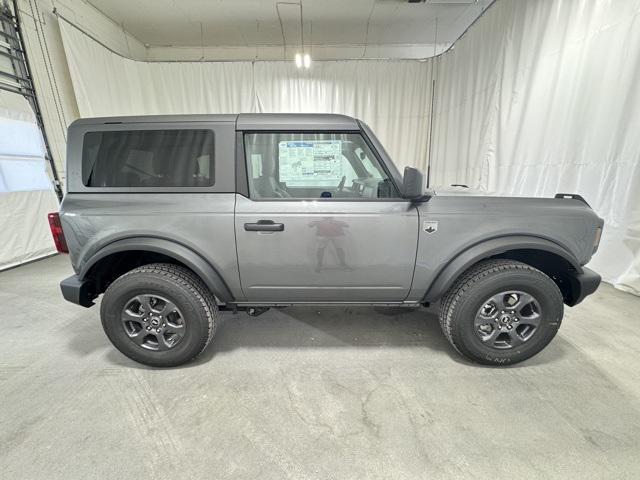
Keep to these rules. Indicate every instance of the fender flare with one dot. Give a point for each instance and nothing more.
(465, 259)
(209, 275)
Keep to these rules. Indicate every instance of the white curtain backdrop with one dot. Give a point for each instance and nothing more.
(544, 97)
(391, 96)
(537, 98)
(26, 194)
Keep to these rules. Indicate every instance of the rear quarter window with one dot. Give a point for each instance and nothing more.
(148, 158)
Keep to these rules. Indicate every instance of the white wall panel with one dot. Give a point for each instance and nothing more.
(543, 97)
(106, 83)
(49, 65)
(26, 194)
(392, 96)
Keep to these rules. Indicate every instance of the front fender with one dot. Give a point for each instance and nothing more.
(472, 255)
(209, 275)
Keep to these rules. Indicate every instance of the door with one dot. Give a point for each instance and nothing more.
(324, 222)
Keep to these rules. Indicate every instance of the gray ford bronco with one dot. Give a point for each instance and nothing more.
(174, 218)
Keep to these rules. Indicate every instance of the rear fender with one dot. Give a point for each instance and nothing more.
(209, 275)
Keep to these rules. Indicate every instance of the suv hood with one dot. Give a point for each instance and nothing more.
(465, 219)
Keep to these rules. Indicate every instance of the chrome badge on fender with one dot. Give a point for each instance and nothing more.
(430, 227)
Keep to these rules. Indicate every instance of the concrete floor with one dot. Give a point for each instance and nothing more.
(312, 393)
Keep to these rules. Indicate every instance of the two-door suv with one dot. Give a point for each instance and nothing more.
(173, 218)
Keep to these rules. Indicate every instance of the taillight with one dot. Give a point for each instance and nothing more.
(58, 234)
(596, 239)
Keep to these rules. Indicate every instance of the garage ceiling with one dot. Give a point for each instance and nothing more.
(354, 28)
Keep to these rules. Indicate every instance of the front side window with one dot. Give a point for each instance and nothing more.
(148, 158)
(314, 165)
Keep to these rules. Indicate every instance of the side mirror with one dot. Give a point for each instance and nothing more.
(413, 184)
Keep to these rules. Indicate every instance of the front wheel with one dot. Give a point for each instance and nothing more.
(501, 312)
(161, 315)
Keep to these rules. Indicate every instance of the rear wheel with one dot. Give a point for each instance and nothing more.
(160, 315)
(501, 312)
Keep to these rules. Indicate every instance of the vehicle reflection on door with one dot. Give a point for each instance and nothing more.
(330, 231)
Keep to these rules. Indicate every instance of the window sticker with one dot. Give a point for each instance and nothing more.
(316, 163)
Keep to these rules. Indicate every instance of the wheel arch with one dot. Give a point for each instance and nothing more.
(113, 258)
(549, 257)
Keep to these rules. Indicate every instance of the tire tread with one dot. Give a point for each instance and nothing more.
(187, 279)
(467, 281)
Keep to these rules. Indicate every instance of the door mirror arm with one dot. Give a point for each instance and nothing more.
(424, 198)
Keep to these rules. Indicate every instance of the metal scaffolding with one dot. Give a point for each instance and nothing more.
(16, 77)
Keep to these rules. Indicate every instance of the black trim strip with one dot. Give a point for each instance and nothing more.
(242, 179)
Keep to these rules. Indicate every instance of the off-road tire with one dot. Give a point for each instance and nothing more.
(463, 300)
(180, 286)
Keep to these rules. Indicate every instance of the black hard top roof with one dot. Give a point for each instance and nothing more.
(244, 121)
(295, 121)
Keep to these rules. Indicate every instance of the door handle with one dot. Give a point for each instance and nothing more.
(264, 226)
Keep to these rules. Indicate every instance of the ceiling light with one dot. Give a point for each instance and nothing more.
(307, 60)
(298, 60)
